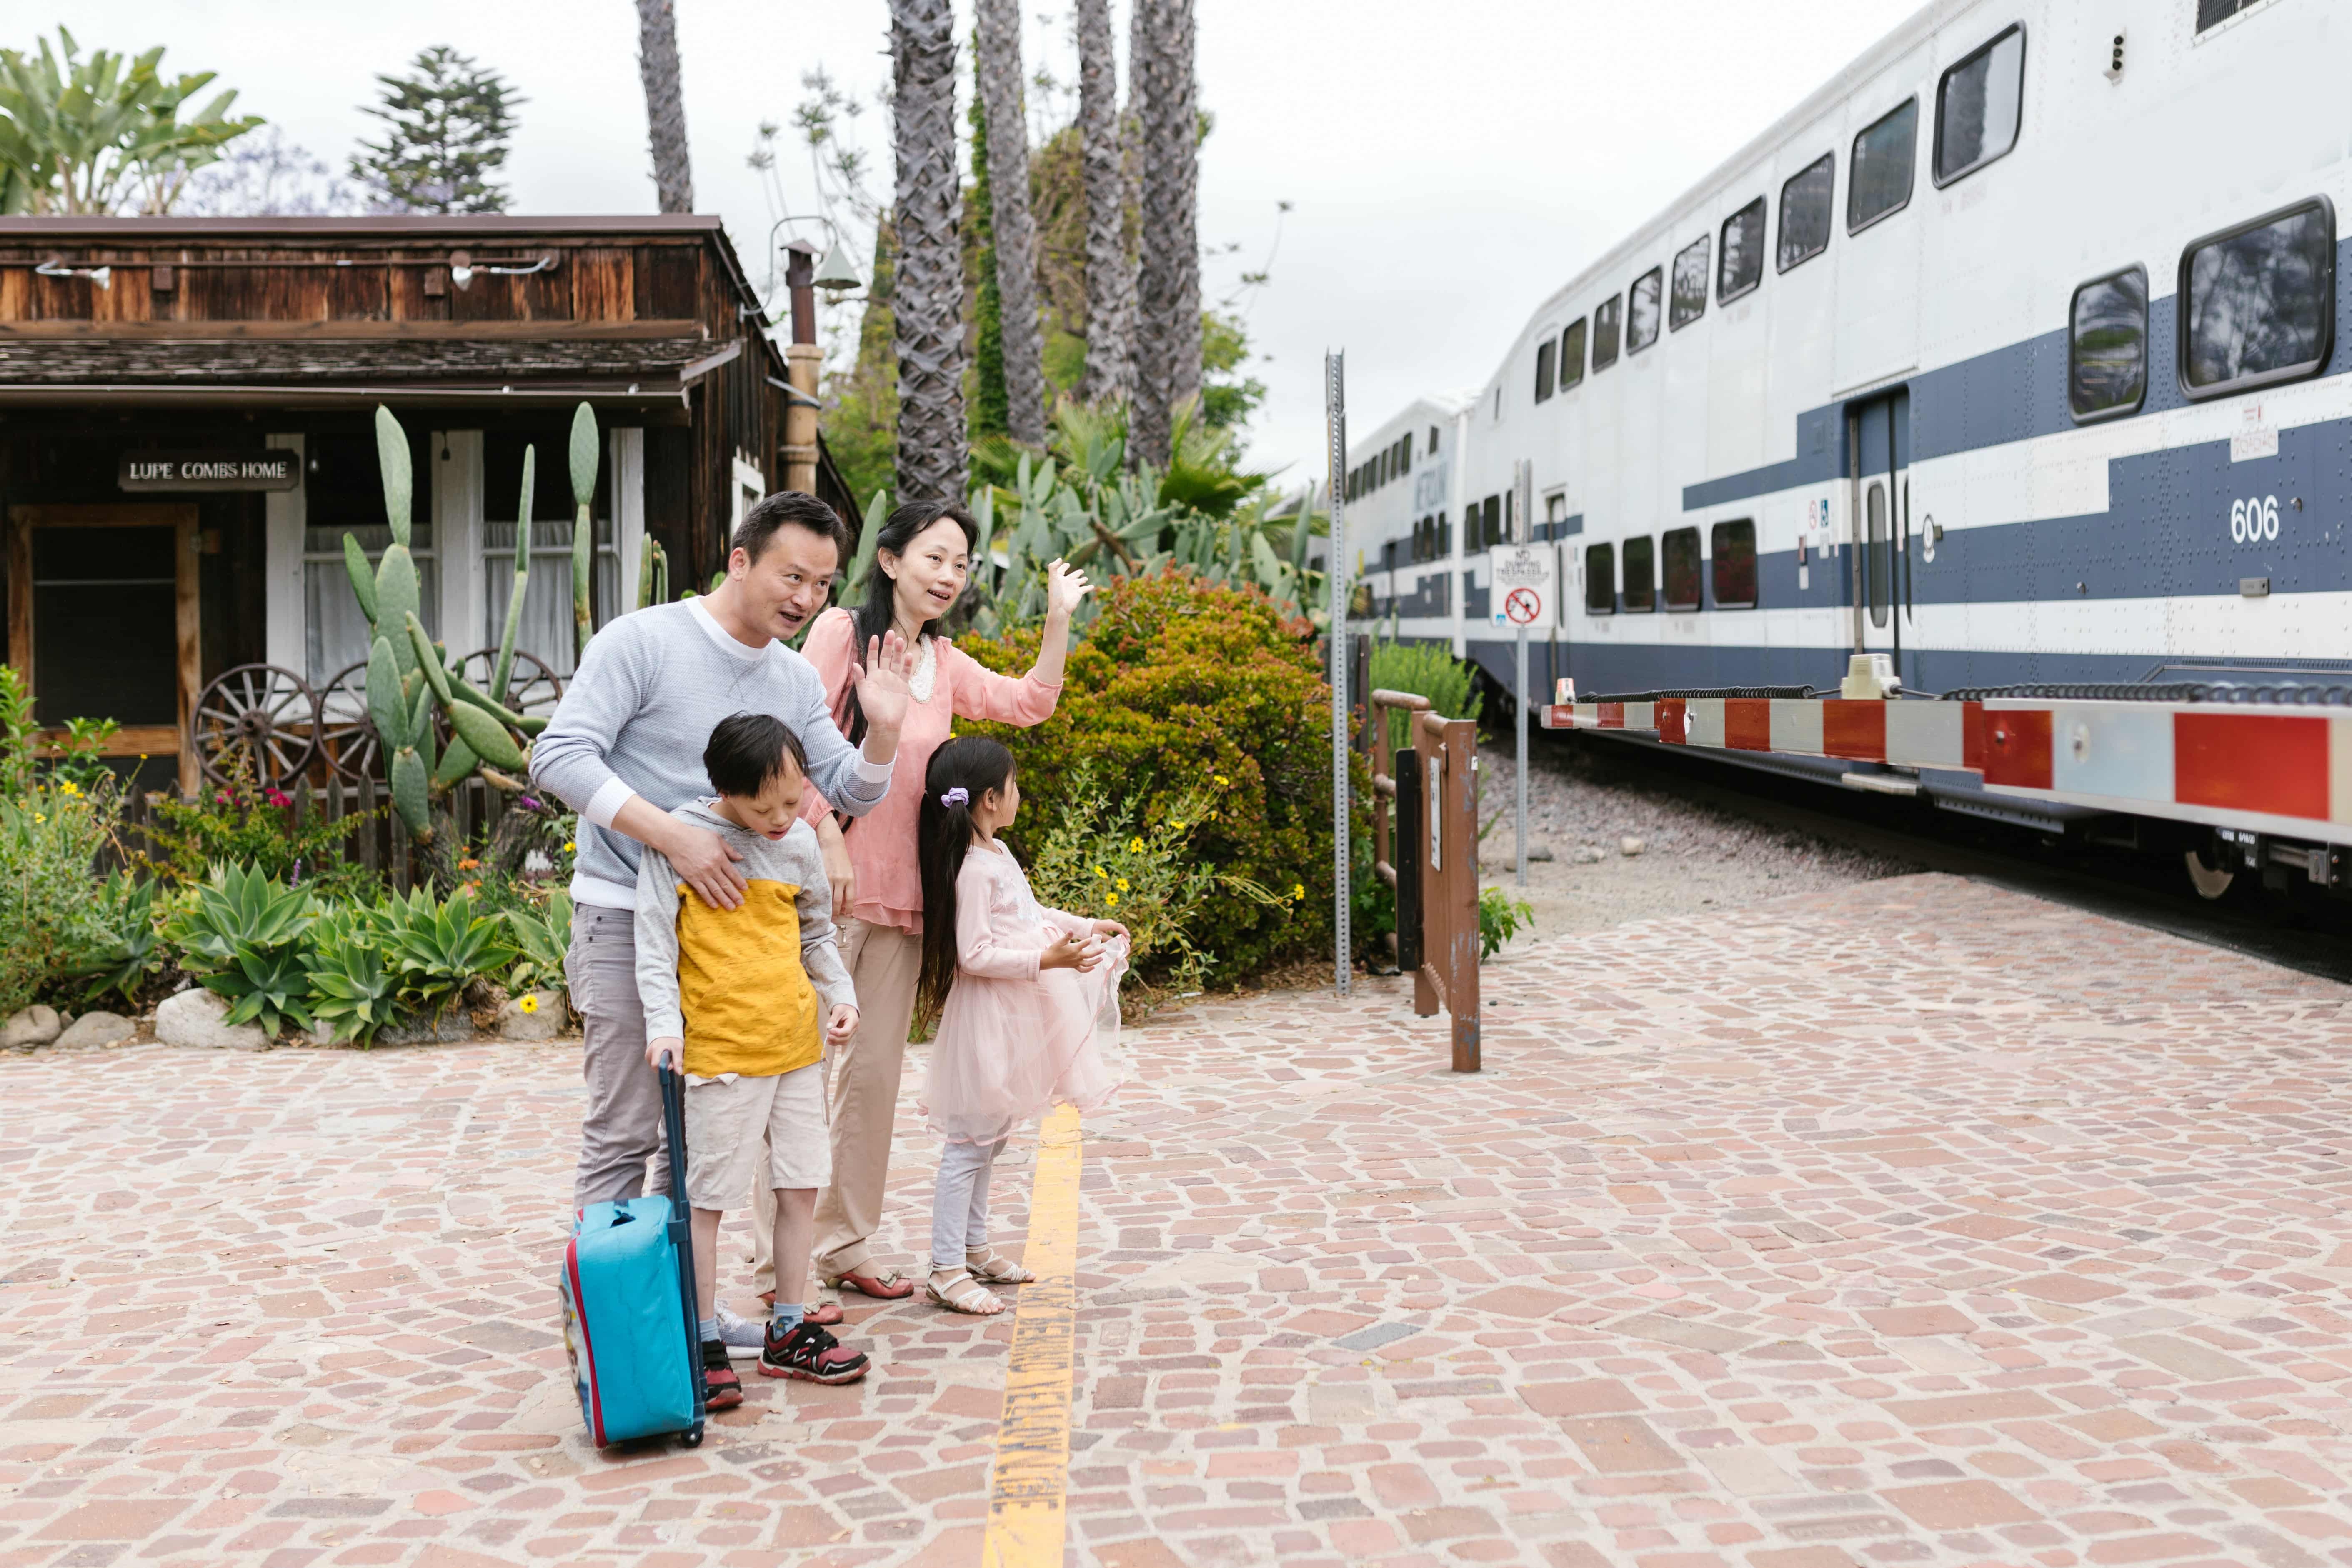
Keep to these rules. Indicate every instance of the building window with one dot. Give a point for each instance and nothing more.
(1688, 301)
(1735, 565)
(1642, 310)
(1606, 322)
(1680, 549)
(1491, 533)
(1805, 207)
(1742, 267)
(1641, 586)
(1544, 351)
(343, 492)
(2106, 345)
(1599, 579)
(1977, 106)
(1572, 355)
(1880, 183)
(2261, 301)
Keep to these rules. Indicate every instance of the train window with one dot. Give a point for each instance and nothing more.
(2106, 345)
(1680, 549)
(1687, 303)
(1805, 212)
(1642, 310)
(1641, 576)
(1606, 320)
(2261, 301)
(1599, 579)
(1976, 106)
(1742, 267)
(1571, 355)
(2214, 12)
(1544, 351)
(1879, 181)
(1735, 565)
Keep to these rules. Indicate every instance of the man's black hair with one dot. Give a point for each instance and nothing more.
(747, 750)
(788, 508)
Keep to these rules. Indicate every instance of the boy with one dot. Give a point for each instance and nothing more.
(734, 997)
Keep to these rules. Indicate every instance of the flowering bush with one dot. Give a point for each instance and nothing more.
(1186, 689)
(250, 825)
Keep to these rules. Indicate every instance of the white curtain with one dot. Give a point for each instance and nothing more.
(337, 632)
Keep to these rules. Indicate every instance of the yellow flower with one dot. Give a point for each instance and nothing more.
(567, 847)
(1111, 898)
(1100, 872)
(39, 817)
(1222, 779)
(1176, 826)
(1297, 889)
(1135, 846)
(67, 788)
(530, 1003)
(1122, 884)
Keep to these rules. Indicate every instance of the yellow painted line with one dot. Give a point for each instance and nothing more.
(1031, 1474)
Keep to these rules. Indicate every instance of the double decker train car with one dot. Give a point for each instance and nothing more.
(2009, 355)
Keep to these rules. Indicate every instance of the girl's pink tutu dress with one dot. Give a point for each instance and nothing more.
(1015, 1040)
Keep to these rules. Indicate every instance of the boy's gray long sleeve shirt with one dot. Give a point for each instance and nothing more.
(635, 718)
(732, 975)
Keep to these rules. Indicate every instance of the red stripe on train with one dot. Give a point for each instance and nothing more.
(2251, 761)
(1854, 730)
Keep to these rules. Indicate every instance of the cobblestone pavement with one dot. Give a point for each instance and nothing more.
(1907, 1222)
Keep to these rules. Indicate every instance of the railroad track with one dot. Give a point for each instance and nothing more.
(2295, 931)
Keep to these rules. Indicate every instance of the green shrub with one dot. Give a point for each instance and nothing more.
(542, 934)
(353, 990)
(1184, 686)
(435, 950)
(244, 823)
(52, 926)
(1425, 669)
(130, 951)
(1500, 916)
(242, 939)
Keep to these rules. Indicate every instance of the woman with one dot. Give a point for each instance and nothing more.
(922, 562)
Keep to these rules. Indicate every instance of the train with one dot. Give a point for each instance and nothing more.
(2007, 359)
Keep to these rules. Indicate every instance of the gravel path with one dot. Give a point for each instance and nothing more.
(1690, 858)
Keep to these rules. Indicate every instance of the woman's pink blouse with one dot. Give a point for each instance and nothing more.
(882, 842)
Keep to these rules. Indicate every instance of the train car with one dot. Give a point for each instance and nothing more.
(2009, 355)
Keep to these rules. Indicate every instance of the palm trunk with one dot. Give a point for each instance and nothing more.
(1167, 283)
(1111, 269)
(664, 104)
(998, 72)
(928, 298)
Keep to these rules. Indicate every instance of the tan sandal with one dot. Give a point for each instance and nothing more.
(991, 1268)
(964, 1294)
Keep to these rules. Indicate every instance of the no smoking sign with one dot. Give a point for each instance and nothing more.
(1525, 586)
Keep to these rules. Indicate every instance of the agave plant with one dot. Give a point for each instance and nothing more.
(244, 937)
(353, 994)
(436, 948)
(410, 677)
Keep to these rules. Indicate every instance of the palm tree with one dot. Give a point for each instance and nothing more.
(1168, 282)
(998, 72)
(1110, 270)
(664, 104)
(928, 291)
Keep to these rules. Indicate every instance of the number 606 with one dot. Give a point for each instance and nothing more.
(2253, 520)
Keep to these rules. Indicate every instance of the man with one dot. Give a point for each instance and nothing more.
(625, 749)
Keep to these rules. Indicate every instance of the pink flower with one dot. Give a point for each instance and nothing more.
(279, 798)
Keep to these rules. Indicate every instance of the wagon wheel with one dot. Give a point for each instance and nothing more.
(532, 688)
(256, 721)
(346, 735)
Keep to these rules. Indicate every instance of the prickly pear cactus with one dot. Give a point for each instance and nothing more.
(410, 677)
(583, 526)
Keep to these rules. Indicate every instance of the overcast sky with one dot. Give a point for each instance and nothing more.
(1448, 165)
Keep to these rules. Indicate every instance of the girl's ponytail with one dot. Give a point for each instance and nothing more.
(961, 772)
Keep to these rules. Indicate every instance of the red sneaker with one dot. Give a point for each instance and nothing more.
(810, 1354)
(721, 1389)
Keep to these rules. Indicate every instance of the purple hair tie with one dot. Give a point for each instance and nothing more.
(956, 797)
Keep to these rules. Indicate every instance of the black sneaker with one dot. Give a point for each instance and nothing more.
(721, 1389)
(809, 1353)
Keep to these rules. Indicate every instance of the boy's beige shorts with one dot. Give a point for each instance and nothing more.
(731, 1119)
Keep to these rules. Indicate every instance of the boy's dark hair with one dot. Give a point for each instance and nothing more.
(793, 509)
(747, 750)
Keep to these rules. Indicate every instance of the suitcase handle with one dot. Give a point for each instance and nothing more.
(681, 1230)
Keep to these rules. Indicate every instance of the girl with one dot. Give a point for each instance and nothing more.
(1026, 999)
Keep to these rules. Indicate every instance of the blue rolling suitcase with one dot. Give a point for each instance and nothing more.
(629, 1306)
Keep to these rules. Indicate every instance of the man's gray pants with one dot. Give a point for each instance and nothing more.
(622, 1124)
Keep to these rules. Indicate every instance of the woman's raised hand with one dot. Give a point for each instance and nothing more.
(1065, 587)
(882, 688)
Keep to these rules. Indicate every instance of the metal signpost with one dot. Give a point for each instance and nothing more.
(1526, 593)
(1334, 413)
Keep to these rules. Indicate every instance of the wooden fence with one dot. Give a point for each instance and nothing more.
(376, 839)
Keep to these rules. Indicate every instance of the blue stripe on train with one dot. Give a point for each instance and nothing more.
(1601, 669)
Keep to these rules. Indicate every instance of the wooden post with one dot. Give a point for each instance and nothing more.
(1410, 831)
(1450, 894)
(802, 359)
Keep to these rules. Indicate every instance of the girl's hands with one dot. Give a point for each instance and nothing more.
(841, 1025)
(1065, 587)
(1109, 928)
(1068, 952)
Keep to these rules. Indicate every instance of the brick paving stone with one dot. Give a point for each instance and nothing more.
(1910, 1222)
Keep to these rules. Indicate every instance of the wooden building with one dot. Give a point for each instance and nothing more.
(185, 436)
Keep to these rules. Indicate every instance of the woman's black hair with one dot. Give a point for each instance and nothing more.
(872, 619)
(974, 764)
(747, 750)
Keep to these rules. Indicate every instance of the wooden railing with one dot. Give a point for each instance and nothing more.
(1425, 847)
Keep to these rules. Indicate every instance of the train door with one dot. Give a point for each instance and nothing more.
(1878, 449)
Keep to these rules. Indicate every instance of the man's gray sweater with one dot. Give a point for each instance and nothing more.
(635, 718)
